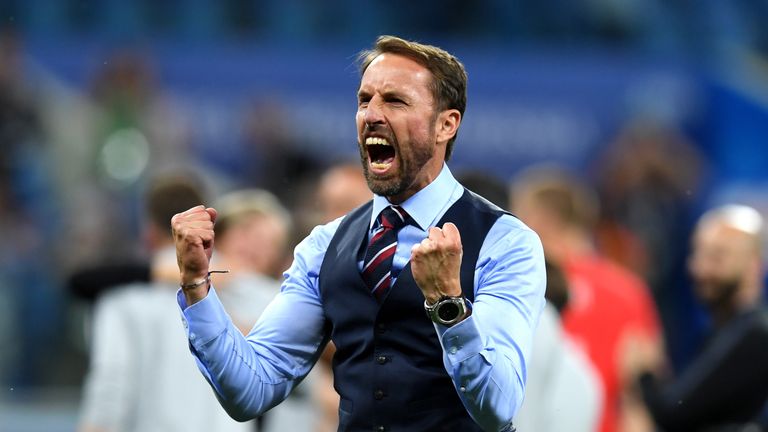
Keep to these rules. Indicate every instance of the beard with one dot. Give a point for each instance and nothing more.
(715, 293)
(409, 168)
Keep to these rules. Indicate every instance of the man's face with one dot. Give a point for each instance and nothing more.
(396, 123)
(719, 262)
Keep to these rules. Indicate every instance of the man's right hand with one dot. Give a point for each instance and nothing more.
(193, 235)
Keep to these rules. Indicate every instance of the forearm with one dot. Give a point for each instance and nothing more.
(250, 375)
(488, 380)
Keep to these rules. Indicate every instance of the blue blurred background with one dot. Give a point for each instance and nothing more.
(95, 96)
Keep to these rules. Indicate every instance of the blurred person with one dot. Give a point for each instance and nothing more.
(646, 191)
(442, 345)
(608, 305)
(563, 392)
(726, 386)
(141, 377)
(646, 216)
(250, 220)
(252, 230)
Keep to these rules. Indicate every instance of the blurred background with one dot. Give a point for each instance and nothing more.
(661, 106)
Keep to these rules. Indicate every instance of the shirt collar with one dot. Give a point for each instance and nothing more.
(425, 204)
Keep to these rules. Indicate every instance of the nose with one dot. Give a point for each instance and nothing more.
(373, 114)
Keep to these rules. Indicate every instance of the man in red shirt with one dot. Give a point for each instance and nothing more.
(609, 306)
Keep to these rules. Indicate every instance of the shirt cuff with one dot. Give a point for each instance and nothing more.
(460, 341)
(204, 320)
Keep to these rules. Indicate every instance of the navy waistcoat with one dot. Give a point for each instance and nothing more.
(388, 365)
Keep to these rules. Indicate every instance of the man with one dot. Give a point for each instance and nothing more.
(477, 270)
(726, 386)
(608, 307)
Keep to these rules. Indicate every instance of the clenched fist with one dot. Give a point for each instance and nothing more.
(436, 263)
(193, 236)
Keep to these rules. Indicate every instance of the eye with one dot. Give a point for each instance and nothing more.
(362, 100)
(395, 100)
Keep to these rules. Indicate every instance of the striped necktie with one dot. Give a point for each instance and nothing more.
(377, 265)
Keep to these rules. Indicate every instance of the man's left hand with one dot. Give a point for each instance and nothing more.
(436, 263)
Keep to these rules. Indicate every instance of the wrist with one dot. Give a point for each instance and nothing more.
(188, 277)
(188, 284)
(448, 310)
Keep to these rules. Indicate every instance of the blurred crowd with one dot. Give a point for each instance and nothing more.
(656, 319)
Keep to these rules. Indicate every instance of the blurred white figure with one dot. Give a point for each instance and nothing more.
(563, 391)
(142, 376)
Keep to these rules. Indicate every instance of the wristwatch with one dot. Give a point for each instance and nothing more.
(447, 311)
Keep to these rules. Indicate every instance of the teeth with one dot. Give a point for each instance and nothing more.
(376, 141)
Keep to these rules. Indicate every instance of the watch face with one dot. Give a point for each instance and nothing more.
(448, 311)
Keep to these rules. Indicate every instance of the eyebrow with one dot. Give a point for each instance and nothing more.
(385, 94)
(394, 93)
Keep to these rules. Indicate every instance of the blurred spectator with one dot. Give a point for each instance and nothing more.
(608, 305)
(649, 180)
(252, 230)
(141, 374)
(726, 386)
(563, 391)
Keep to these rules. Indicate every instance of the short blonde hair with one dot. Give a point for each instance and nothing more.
(235, 205)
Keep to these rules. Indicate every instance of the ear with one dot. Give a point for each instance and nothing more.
(447, 124)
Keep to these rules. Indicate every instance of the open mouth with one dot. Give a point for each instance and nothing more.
(381, 154)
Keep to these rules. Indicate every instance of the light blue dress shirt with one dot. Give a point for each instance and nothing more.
(485, 355)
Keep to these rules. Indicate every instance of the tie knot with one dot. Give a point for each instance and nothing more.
(394, 217)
